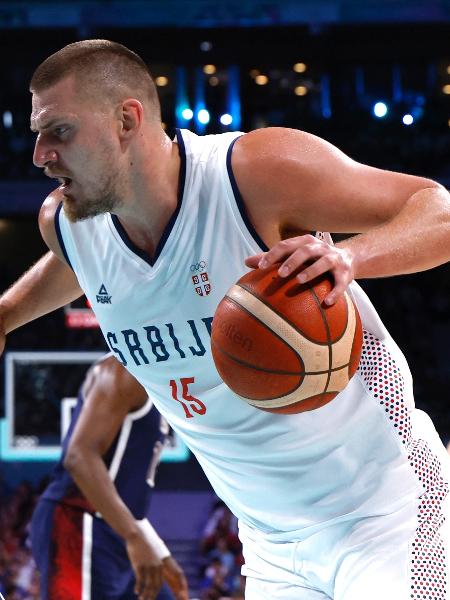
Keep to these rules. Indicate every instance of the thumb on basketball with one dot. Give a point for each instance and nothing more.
(253, 261)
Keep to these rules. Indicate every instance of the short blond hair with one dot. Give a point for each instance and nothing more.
(102, 67)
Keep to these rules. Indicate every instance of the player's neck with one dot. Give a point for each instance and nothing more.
(153, 194)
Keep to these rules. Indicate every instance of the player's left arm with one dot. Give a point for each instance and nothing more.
(292, 180)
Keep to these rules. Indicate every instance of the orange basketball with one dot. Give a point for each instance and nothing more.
(279, 347)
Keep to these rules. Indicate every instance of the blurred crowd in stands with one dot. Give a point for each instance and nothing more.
(19, 579)
(221, 556)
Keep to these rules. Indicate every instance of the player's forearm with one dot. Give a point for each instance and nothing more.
(416, 239)
(46, 286)
(90, 474)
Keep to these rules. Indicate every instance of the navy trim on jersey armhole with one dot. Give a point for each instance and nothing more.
(59, 235)
(123, 234)
(240, 201)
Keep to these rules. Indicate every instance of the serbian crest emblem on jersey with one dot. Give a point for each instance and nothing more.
(200, 279)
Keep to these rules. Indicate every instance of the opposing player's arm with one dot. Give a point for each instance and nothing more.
(296, 181)
(110, 394)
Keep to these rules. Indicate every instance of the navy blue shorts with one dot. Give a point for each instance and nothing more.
(80, 557)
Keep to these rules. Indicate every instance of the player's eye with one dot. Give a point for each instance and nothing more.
(60, 131)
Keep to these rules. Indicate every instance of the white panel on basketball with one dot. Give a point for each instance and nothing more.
(342, 347)
(316, 357)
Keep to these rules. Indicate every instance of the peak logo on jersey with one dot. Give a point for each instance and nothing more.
(200, 280)
(102, 296)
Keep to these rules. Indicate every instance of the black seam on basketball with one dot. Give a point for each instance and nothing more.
(310, 339)
(277, 373)
(265, 326)
(327, 329)
(344, 331)
(258, 369)
(243, 363)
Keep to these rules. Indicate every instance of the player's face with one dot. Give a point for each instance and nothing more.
(77, 146)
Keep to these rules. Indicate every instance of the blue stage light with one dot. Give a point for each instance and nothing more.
(226, 119)
(7, 119)
(380, 109)
(187, 114)
(203, 116)
(408, 119)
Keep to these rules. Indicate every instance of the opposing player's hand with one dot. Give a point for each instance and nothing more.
(147, 567)
(176, 579)
(294, 252)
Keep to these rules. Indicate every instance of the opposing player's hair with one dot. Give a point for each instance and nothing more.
(106, 69)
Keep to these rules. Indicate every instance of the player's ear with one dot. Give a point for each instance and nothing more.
(131, 114)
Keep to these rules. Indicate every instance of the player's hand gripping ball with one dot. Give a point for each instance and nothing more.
(279, 347)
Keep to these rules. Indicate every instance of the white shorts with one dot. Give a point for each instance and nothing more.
(390, 557)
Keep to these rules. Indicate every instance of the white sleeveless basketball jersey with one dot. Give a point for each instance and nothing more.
(287, 476)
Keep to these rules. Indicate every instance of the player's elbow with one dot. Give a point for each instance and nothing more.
(73, 460)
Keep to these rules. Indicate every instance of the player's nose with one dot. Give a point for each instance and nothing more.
(43, 154)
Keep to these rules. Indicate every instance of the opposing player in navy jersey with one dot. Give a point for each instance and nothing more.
(90, 535)
(344, 502)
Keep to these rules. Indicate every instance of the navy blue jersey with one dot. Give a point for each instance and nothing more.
(131, 461)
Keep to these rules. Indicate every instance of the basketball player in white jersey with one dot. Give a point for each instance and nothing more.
(344, 502)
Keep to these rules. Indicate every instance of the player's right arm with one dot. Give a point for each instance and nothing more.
(110, 393)
(49, 284)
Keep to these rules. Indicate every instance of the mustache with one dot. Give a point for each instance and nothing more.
(55, 173)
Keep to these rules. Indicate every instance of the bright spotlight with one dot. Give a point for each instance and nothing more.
(7, 119)
(187, 114)
(203, 116)
(380, 109)
(408, 119)
(226, 119)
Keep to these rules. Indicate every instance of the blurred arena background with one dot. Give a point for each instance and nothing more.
(372, 77)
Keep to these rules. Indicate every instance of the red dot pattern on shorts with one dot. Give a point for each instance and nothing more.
(385, 382)
(428, 560)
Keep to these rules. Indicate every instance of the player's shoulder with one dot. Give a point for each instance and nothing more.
(47, 220)
(264, 153)
(109, 374)
(49, 207)
(266, 138)
(278, 160)
(109, 365)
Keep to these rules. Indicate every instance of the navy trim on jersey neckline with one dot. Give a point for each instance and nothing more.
(121, 230)
(240, 201)
(59, 234)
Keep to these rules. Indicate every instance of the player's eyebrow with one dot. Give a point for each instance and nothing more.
(45, 126)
